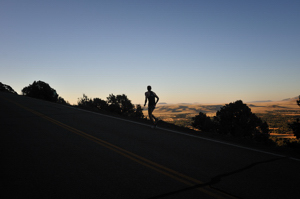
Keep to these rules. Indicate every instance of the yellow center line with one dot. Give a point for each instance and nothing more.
(132, 156)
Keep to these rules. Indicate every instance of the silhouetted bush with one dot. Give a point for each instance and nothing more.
(203, 122)
(234, 119)
(100, 104)
(119, 104)
(95, 104)
(85, 102)
(139, 112)
(7, 89)
(40, 90)
(113, 104)
(61, 100)
(294, 144)
(295, 126)
(237, 119)
(262, 132)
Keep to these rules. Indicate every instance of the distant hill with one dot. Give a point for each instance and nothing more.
(290, 99)
(7, 89)
(260, 101)
(162, 103)
(287, 99)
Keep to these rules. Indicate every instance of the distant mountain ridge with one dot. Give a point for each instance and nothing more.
(260, 101)
(289, 99)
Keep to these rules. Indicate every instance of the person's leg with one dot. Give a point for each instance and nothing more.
(150, 110)
(151, 116)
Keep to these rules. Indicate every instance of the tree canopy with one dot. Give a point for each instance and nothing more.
(295, 126)
(119, 104)
(234, 119)
(40, 90)
(202, 122)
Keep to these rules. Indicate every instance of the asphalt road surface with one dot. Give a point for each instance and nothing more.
(54, 151)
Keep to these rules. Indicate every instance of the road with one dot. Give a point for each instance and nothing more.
(54, 151)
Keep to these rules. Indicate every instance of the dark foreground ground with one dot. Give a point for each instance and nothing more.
(55, 151)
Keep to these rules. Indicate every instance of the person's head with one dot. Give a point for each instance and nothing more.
(149, 88)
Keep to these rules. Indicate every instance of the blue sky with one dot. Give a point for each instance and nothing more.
(189, 51)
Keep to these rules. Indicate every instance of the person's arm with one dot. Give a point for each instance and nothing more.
(157, 98)
(145, 100)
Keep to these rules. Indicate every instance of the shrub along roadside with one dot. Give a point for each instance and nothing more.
(295, 126)
(235, 119)
(119, 104)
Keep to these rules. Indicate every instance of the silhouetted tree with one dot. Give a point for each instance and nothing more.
(122, 105)
(95, 104)
(117, 104)
(237, 119)
(100, 104)
(262, 133)
(40, 90)
(7, 88)
(127, 107)
(113, 104)
(85, 102)
(202, 122)
(295, 126)
(61, 100)
(139, 112)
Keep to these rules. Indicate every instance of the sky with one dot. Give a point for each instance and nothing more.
(189, 51)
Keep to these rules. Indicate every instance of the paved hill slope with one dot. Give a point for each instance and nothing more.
(55, 151)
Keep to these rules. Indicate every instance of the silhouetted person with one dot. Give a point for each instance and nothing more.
(150, 96)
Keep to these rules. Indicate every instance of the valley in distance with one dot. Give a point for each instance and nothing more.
(182, 114)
